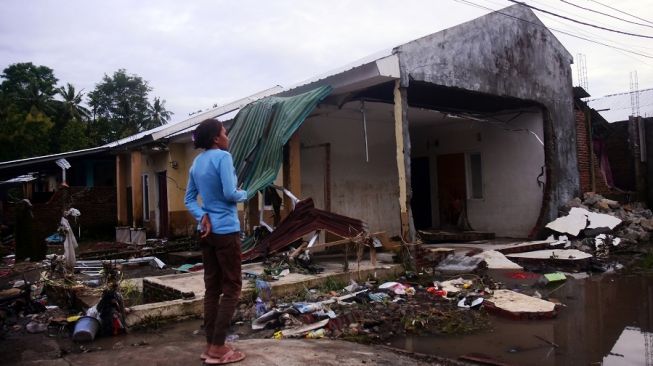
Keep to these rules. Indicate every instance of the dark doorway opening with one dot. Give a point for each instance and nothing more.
(163, 203)
(452, 192)
(421, 186)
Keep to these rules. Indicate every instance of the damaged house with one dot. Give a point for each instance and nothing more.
(474, 122)
(468, 128)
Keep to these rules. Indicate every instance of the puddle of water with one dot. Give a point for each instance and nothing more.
(607, 319)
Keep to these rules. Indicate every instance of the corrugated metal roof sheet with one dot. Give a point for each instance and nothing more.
(20, 179)
(619, 105)
(304, 219)
(261, 129)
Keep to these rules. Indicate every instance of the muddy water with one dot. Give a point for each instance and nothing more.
(607, 320)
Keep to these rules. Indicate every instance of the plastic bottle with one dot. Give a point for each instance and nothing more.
(315, 334)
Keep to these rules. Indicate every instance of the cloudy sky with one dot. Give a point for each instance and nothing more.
(198, 53)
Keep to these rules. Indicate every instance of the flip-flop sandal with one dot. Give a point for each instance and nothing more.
(229, 357)
(205, 355)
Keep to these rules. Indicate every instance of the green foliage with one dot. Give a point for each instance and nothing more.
(26, 107)
(26, 85)
(120, 107)
(73, 136)
(33, 122)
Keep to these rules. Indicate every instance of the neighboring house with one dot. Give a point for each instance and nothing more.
(625, 143)
(474, 119)
(91, 189)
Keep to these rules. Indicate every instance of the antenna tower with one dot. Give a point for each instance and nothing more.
(634, 94)
(581, 69)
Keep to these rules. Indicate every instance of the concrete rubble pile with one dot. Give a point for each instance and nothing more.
(597, 224)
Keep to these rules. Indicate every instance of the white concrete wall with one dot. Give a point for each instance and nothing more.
(365, 190)
(511, 162)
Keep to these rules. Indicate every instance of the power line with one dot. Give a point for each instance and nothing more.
(580, 22)
(606, 14)
(553, 29)
(622, 12)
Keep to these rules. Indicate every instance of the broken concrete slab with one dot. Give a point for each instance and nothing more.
(598, 220)
(578, 218)
(519, 306)
(497, 260)
(571, 224)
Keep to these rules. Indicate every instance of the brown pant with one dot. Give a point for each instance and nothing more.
(221, 255)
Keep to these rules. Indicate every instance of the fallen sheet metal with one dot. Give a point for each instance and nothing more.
(497, 260)
(303, 220)
(519, 306)
(558, 254)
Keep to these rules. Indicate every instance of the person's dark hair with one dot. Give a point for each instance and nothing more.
(205, 132)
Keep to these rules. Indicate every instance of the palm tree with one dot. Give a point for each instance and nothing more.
(72, 103)
(158, 114)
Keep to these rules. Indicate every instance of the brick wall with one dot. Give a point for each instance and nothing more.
(154, 292)
(583, 142)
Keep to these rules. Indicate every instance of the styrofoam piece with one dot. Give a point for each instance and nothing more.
(497, 260)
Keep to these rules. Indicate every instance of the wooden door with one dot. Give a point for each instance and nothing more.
(452, 191)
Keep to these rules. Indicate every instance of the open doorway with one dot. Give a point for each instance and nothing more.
(163, 203)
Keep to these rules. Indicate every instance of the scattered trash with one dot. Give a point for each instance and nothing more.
(36, 327)
(468, 302)
(553, 277)
(379, 296)
(315, 334)
(86, 329)
(458, 263)
(497, 260)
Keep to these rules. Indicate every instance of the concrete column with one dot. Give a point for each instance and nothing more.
(121, 189)
(402, 142)
(292, 178)
(137, 188)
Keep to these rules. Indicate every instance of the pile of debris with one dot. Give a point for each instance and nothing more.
(368, 312)
(597, 224)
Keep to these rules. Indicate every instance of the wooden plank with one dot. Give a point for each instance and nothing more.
(292, 179)
(402, 144)
(137, 188)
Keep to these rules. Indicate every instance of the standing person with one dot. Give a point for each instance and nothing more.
(212, 176)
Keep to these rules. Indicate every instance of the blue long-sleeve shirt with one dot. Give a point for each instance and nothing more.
(212, 176)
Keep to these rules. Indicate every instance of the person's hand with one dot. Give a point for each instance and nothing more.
(206, 226)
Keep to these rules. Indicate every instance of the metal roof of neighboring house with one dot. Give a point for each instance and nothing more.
(52, 157)
(619, 106)
(20, 179)
(149, 135)
(170, 129)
